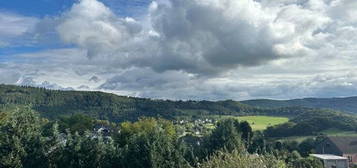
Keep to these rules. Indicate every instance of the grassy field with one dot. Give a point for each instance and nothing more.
(262, 122)
(329, 132)
(256, 122)
(337, 132)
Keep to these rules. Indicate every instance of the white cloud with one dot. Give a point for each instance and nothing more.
(92, 26)
(201, 37)
(202, 49)
(8, 76)
(13, 26)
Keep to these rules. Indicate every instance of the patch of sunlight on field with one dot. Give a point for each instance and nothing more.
(337, 132)
(262, 122)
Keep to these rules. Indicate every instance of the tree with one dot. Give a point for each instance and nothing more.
(85, 151)
(225, 136)
(308, 162)
(306, 147)
(258, 143)
(21, 143)
(246, 131)
(150, 143)
(240, 159)
(76, 123)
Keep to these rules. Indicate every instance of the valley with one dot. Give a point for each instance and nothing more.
(200, 125)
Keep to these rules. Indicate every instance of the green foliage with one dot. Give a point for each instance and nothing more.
(281, 130)
(76, 123)
(308, 162)
(307, 146)
(21, 144)
(145, 126)
(262, 122)
(53, 104)
(229, 135)
(226, 136)
(313, 122)
(153, 150)
(26, 140)
(347, 104)
(150, 143)
(83, 152)
(240, 159)
(247, 131)
(258, 143)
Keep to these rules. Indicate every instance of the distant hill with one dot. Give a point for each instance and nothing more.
(106, 106)
(53, 104)
(348, 104)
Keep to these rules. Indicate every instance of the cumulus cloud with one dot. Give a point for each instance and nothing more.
(200, 37)
(136, 78)
(202, 49)
(93, 26)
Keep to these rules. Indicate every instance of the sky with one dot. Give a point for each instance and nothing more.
(182, 49)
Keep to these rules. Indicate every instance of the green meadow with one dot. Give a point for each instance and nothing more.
(258, 123)
(262, 122)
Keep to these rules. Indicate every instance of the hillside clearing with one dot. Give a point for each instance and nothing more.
(262, 122)
(257, 122)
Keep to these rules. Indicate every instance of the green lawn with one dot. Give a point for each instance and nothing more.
(262, 122)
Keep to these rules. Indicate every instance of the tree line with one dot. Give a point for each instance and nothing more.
(104, 106)
(313, 123)
(28, 140)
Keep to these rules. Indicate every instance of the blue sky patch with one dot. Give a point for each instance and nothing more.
(42, 8)
(36, 8)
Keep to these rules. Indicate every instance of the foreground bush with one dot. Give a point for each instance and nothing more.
(29, 141)
(237, 159)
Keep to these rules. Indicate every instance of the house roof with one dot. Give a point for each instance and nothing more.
(346, 144)
(328, 157)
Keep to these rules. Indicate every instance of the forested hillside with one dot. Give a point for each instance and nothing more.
(105, 106)
(348, 104)
(65, 140)
(313, 123)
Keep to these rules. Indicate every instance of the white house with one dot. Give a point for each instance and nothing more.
(332, 161)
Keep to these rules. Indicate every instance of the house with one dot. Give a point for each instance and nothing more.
(102, 130)
(332, 161)
(341, 146)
